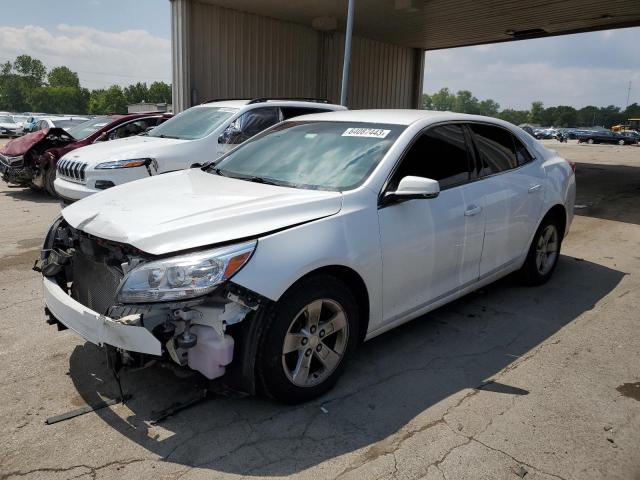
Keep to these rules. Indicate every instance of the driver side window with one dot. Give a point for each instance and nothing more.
(440, 153)
(249, 124)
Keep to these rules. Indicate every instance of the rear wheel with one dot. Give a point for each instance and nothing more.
(620, 142)
(49, 178)
(311, 333)
(544, 253)
(590, 141)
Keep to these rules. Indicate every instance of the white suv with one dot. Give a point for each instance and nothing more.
(271, 265)
(195, 136)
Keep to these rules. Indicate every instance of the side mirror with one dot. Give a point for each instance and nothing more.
(411, 188)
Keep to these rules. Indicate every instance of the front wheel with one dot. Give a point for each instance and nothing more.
(591, 141)
(620, 142)
(543, 253)
(310, 334)
(49, 178)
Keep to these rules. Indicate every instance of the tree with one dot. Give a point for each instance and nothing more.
(159, 92)
(111, 100)
(31, 70)
(537, 109)
(63, 77)
(465, 102)
(489, 107)
(517, 117)
(443, 100)
(587, 116)
(427, 103)
(59, 99)
(137, 93)
(18, 79)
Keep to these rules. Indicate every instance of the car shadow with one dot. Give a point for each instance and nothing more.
(28, 195)
(609, 192)
(391, 380)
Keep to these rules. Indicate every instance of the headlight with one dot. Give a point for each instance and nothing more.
(184, 276)
(136, 162)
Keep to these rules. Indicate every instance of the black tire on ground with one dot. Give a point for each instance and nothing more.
(272, 378)
(531, 272)
(49, 178)
(591, 141)
(620, 142)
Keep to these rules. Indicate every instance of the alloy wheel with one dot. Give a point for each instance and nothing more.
(547, 249)
(315, 343)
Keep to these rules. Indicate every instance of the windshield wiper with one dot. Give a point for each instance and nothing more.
(259, 180)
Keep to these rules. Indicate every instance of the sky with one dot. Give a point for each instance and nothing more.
(576, 70)
(125, 41)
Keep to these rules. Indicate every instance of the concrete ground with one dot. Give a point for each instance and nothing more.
(506, 383)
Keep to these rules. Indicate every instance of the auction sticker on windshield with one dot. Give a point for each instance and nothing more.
(366, 132)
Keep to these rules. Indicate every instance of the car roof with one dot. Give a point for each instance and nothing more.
(273, 102)
(394, 116)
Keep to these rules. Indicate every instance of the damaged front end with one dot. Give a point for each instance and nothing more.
(24, 160)
(180, 308)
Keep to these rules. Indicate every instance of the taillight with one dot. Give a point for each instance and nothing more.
(572, 165)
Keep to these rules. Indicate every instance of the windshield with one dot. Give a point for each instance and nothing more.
(67, 123)
(315, 155)
(194, 123)
(85, 129)
(6, 119)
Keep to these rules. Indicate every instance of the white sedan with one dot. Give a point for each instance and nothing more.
(271, 265)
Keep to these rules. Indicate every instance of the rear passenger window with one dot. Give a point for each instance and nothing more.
(441, 154)
(496, 148)
(522, 154)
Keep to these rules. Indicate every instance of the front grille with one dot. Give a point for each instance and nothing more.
(94, 283)
(72, 170)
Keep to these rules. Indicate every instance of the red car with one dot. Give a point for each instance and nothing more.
(30, 161)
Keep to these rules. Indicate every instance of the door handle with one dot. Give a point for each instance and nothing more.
(535, 188)
(472, 210)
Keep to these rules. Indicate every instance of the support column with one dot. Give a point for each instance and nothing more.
(180, 54)
(347, 55)
(418, 80)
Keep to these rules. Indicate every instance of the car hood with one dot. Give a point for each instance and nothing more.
(9, 125)
(129, 148)
(191, 208)
(20, 146)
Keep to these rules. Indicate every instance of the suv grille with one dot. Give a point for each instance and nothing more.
(95, 284)
(72, 171)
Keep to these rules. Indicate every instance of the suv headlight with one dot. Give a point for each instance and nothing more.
(136, 162)
(184, 276)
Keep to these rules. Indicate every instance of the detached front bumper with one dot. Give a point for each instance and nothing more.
(96, 328)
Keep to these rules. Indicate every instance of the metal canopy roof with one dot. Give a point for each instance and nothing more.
(434, 24)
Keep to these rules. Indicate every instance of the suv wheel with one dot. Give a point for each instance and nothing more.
(544, 253)
(620, 142)
(590, 141)
(49, 178)
(310, 334)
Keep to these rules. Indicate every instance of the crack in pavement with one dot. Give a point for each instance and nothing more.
(91, 470)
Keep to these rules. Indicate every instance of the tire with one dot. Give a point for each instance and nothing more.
(536, 270)
(620, 142)
(49, 178)
(591, 141)
(301, 374)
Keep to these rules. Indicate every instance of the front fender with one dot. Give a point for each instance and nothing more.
(349, 239)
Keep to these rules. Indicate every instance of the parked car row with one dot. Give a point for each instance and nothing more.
(300, 230)
(590, 136)
(32, 160)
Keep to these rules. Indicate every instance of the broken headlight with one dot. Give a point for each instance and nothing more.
(184, 276)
